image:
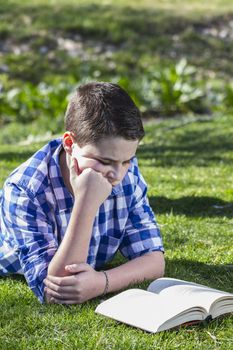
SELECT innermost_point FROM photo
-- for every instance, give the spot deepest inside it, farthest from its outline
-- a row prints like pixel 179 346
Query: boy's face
pixel 110 156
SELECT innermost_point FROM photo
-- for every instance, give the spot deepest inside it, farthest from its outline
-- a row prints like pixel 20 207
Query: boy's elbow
pixel 159 264
pixel 161 271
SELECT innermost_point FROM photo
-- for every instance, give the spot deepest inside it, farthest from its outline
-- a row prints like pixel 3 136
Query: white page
pixel 143 309
pixel 192 294
pixel 160 284
pixel 225 306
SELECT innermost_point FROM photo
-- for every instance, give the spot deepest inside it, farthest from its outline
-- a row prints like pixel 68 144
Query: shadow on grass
pixel 193 206
pixel 20 155
pixel 200 147
pixel 215 276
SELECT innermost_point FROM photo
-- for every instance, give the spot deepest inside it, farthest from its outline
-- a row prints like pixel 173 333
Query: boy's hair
pixel 100 109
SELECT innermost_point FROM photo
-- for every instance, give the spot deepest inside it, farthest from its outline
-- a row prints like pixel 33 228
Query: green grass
pixel 188 166
pixel 116 38
pixel 53 43
pixel 186 162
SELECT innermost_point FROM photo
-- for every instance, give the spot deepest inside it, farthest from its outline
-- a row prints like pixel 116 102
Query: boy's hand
pixel 85 283
pixel 92 184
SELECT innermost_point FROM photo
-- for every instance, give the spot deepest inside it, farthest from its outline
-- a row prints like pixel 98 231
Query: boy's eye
pixel 126 162
pixel 102 162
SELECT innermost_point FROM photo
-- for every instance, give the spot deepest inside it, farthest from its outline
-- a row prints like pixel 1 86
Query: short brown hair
pixel 101 109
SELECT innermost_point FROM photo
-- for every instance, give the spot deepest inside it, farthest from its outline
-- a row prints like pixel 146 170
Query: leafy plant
pixel 175 89
pixel 28 103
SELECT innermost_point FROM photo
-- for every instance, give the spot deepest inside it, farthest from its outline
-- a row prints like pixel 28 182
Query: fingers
pixel 67 286
pixel 59 296
pixel 58 288
pixel 76 268
pixel 74 168
pixel 65 302
pixel 61 281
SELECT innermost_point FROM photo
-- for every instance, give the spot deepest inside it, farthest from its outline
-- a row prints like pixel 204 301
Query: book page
pixel 192 294
pixel 160 284
pixel 222 306
pixel 147 310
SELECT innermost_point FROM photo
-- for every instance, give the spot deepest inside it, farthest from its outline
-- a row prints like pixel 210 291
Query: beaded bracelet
pixel 106 285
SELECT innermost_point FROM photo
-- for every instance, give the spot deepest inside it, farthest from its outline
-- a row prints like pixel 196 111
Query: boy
pixel 68 209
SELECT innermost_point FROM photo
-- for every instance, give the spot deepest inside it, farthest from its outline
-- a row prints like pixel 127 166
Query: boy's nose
pixel 114 175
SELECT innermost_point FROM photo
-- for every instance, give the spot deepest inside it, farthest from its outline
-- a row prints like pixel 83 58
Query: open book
pixel 167 303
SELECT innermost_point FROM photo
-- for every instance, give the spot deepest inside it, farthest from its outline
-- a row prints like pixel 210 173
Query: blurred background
pixel 173 57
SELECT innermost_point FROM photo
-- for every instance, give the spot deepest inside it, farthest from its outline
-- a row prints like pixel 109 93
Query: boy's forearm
pixel 147 267
pixel 75 244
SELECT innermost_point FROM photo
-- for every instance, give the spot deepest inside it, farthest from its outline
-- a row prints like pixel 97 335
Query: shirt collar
pixel 117 189
pixel 64 198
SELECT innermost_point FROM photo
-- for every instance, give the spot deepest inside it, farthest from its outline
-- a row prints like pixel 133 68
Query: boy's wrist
pixel 89 199
pixel 103 283
pixel 106 287
pixel 83 201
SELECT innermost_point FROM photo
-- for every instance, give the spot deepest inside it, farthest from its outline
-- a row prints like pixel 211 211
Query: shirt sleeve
pixel 142 234
pixel 27 229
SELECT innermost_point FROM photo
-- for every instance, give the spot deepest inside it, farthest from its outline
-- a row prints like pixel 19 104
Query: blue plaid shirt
pixel 36 208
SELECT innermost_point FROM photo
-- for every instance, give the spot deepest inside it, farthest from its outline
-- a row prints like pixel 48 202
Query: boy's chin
pixel 114 184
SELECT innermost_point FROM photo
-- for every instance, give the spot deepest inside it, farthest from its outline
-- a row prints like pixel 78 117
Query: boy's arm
pixel 90 190
pixel 147 267
pixel 75 244
pixel 86 283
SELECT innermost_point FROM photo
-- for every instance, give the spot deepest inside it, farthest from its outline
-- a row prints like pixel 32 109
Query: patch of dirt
pixel 220 27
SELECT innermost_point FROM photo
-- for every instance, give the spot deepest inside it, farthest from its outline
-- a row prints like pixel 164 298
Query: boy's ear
pixel 68 141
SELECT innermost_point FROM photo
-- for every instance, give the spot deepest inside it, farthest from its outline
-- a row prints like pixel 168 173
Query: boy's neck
pixel 65 170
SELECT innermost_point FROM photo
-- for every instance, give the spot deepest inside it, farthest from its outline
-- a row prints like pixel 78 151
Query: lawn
pixel 46 48
pixel 188 166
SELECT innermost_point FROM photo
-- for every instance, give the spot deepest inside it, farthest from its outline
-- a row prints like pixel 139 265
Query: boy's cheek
pixel 84 163
pixel 124 174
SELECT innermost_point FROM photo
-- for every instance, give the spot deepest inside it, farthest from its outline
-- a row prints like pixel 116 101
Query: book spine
pixel 208 319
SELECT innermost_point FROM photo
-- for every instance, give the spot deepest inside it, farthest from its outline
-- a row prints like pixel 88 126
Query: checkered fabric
pixel 36 208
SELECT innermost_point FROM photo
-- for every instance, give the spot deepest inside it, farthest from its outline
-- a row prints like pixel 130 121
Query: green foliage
pixel 175 89
pixel 47 49
pixel 165 91
pixel 28 103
